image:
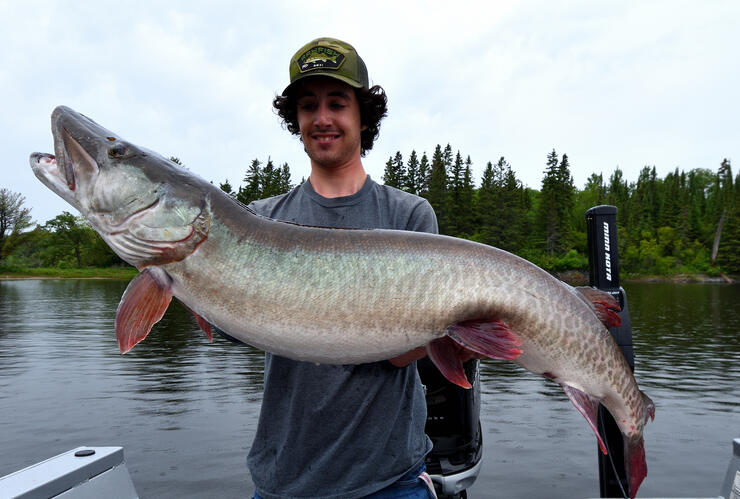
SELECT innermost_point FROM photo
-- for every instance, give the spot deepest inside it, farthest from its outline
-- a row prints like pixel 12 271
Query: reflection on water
pixel 183 409
pixel 186 410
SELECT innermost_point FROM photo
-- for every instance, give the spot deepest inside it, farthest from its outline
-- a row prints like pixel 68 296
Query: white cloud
pixel 608 83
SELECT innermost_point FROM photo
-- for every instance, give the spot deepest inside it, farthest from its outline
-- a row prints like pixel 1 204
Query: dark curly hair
pixel 373 108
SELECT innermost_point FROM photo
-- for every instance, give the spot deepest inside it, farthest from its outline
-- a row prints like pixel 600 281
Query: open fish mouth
pixel 61 171
pixel 48 163
pixel 58 177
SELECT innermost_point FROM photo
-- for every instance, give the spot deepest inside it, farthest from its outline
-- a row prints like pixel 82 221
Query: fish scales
pixel 332 295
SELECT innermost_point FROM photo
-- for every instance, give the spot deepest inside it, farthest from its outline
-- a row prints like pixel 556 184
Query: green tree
pixel 455 204
pixel 413 175
pixel 394 174
pixel 424 175
pixel 466 214
pixel 726 248
pixel 252 189
pixel 272 180
pixel 556 203
pixel 593 194
pixel 644 203
pixel 226 187
pixel 437 194
pixel 70 235
pixel 285 179
pixel 14 218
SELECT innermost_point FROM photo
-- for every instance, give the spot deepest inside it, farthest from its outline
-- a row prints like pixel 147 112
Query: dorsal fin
pixel 604 305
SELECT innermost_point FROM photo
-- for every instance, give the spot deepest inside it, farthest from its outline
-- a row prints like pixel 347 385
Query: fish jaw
pixel 133 197
pixel 48 171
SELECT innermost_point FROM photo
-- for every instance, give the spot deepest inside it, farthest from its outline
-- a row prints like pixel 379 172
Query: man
pixel 340 431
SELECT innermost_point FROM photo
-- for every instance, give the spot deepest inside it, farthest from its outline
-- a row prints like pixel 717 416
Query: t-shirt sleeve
pixel 423 218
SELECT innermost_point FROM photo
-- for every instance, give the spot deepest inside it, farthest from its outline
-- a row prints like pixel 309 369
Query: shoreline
pixel 119 273
pixel 580 278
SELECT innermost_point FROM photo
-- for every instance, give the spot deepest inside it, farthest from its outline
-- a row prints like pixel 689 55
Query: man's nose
pixel 322 116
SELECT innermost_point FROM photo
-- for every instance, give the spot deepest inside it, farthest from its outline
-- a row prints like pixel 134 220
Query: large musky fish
pixel 334 295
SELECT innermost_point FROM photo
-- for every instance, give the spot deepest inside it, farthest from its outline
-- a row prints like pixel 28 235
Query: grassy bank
pixel 14 272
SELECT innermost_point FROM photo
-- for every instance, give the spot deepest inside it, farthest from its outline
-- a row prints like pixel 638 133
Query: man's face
pixel 329 120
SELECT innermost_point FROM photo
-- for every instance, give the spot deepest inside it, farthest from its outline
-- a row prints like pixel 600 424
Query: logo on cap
pixel 320 58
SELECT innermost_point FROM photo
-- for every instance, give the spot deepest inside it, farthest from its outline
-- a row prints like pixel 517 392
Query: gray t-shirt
pixel 340 431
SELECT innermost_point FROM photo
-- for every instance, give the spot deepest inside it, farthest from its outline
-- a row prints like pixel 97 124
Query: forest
pixel 684 223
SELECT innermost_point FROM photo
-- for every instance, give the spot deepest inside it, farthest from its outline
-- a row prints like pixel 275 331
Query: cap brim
pixel 300 78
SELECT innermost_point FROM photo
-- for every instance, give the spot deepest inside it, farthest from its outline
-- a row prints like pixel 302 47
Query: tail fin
pixel 634 451
pixel 634 463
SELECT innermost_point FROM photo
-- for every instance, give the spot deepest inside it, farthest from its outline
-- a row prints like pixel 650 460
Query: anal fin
pixel 588 406
pixel 142 305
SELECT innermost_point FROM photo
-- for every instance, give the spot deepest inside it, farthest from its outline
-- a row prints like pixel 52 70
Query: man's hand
pixel 408 357
pixel 421 352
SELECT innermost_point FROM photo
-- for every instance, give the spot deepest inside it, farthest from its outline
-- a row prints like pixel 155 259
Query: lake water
pixel 185 411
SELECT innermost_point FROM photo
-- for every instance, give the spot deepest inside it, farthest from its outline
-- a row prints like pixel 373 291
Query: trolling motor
pixel 603 258
pixel 453 425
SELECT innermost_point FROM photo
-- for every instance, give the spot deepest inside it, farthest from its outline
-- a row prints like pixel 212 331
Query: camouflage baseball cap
pixel 328 57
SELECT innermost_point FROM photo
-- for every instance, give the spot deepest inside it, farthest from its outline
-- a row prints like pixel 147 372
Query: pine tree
pixel 413 180
pixel 565 193
pixel 725 202
pixel 485 206
pixel 285 181
pixel 271 180
pixel 226 187
pixel 394 174
pixel 516 205
pixel 466 217
pixel 437 194
pixel 253 184
pixel 455 189
pixel 548 235
pixel 424 175
pixel 488 208
pixel 728 257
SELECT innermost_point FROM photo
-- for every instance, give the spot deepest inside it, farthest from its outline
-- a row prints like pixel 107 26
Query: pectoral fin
pixel 142 305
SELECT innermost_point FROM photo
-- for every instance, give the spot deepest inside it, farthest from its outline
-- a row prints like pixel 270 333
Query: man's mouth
pixel 325 138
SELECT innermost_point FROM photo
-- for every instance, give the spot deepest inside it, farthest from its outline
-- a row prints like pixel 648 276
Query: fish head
pixel 148 209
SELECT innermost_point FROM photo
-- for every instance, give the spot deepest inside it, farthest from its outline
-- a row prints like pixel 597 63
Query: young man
pixel 340 431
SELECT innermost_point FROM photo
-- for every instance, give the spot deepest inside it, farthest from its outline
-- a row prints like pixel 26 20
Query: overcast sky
pixel 611 84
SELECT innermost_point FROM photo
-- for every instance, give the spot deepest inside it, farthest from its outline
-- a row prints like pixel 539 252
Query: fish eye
pixel 117 151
